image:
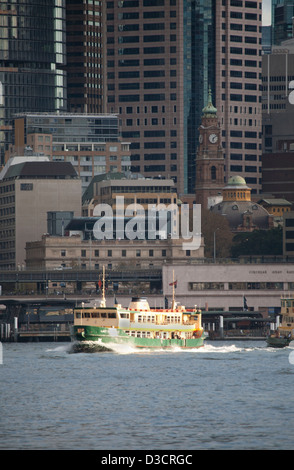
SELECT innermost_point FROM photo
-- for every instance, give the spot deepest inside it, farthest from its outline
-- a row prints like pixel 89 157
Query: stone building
pixel 134 188
pixel 242 214
pixel 32 194
pixel 75 252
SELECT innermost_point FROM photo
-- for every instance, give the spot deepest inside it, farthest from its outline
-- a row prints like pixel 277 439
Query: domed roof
pixel 236 181
pixel 235 210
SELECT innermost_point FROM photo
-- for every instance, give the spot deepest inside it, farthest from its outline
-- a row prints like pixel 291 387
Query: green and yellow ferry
pixel 101 328
pixel 284 333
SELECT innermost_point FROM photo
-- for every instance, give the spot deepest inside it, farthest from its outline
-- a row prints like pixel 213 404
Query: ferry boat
pixel 100 328
pixel 284 334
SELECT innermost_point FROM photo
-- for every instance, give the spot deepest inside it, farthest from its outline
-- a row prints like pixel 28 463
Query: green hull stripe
pixel 102 335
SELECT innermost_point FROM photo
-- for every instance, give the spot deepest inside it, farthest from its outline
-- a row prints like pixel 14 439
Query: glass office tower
pixel 282 20
pixel 32 59
pixel 199 75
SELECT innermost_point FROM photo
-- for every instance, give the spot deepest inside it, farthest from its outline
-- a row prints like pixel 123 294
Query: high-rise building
pixel 84 33
pixel 90 142
pixel 278 112
pixel 282 20
pixel 32 58
pixel 160 62
pixel 238 87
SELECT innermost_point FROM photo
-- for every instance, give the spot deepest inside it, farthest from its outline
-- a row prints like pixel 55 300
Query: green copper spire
pixel 209 110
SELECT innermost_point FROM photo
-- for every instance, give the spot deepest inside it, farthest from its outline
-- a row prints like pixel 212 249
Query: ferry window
pixel 139 318
pixel 133 333
pixel 124 315
pixel 95 315
pixel 143 334
pixel 112 315
pixel 78 314
pixel 87 315
pixel 103 315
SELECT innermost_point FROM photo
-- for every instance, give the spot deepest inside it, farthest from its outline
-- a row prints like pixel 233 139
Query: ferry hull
pixel 275 342
pixel 96 339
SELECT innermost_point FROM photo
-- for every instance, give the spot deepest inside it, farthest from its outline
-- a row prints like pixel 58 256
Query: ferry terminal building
pixel 223 285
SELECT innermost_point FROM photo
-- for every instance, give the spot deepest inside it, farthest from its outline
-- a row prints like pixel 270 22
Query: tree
pixel 258 242
pixel 214 226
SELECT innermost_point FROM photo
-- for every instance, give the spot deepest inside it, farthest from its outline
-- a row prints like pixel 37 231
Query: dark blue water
pixel 223 396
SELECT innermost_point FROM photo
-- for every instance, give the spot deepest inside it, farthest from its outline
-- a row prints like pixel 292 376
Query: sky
pixel 266 12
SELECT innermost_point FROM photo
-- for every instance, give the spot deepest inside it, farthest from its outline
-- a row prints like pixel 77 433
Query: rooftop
pixel 44 169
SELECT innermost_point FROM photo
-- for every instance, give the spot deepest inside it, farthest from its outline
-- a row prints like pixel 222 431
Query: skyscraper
pixel 238 87
pixel 162 56
pixel 160 60
pixel 282 20
pixel 84 42
pixel 32 57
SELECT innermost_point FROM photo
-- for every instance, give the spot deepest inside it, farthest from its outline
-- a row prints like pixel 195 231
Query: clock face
pixel 213 138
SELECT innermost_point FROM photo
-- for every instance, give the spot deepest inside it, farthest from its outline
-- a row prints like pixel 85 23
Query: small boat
pixel 101 328
pixel 284 333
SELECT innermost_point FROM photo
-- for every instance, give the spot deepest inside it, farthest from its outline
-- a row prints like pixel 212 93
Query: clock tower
pixel 209 158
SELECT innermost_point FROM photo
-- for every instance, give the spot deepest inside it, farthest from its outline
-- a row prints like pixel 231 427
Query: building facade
pixel 30 194
pixel 237 90
pixel 75 252
pixel 277 111
pixel 288 234
pixel 282 20
pixel 223 286
pixel 160 57
pixel 134 189
pixel 277 208
pixel 85 26
pixel 32 60
pixel 278 175
pixel 91 143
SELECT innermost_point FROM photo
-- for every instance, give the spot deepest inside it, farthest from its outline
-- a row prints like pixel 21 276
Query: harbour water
pixel 224 396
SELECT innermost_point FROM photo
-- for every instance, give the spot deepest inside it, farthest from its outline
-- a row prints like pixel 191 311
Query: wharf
pixel 238 338
pixel 45 335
